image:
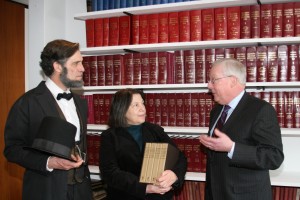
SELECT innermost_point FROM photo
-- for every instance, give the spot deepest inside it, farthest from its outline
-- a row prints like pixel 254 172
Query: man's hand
pixel 221 142
pixel 64 164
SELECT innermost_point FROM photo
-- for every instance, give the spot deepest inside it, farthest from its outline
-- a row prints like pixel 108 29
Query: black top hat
pixel 56 137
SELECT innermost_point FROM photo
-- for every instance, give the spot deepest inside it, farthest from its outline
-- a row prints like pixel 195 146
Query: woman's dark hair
pixel 57 51
pixel 119 106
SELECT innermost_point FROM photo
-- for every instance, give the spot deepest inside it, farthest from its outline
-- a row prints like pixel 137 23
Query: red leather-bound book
pixel 136 68
pixel 262 63
pixel 179 66
pixel 187 109
pixel 220 53
pixel 106 33
pixel 208 24
pixel 272 68
pixel 173 27
pixel 196 26
pixel 208 107
pixel 153 28
pixel 251 64
pixel 255 21
pixel 90 31
pixel 86 73
pixel 157 105
pixel 280 111
pixel 229 52
pixel 189 66
pixel 293 63
pixel 93 71
pixel 245 22
pixel 143 31
pixel 153 67
pixel 220 23
pixel 274 100
pixel 282 63
pixel 296 114
pixel 144 68
pixel 196 159
pixel 164 109
pixel 135 29
pixel 289 110
pixel 113 31
pixel 210 57
pixel 203 165
pixel 162 67
pixel 234 22
pixel 184 26
pixel 96 148
pixel 170 68
pixel 188 148
pixel 195 114
pixel 124 30
pixel 172 109
pixel 90 103
pixel 109 69
pixel 101 70
pixel 288 20
pixel 90 150
pixel 150 107
pixel 96 108
pixel 107 102
pixel 99 32
pixel 118 66
pixel 179 109
pixel 266 21
pixel 200 73
pixel 163 28
pixel 277 25
pixel 266 96
pixel 240 55
pixel 101 108
pixel 128 69
pixel 297 18
pixel 202 109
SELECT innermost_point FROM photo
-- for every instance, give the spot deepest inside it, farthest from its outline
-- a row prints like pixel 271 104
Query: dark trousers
pixel 80 191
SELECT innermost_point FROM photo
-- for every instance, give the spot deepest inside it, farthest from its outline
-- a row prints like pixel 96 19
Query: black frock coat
pixel 254 128
pixel 121 161
pixel 21 127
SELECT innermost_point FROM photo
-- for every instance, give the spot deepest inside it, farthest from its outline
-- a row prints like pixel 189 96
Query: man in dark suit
pixel 241 150
pixel 50 177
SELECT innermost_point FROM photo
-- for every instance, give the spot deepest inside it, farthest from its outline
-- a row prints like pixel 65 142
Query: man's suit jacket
pixel 254 128
pixel 22 125
pixel 121 161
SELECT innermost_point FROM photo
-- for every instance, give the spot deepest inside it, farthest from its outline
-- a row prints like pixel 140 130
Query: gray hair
pixel 232 67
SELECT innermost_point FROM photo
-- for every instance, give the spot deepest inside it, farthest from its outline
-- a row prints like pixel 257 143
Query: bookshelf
pixel 286 175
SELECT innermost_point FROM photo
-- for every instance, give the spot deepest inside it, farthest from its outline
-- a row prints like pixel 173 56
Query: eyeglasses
pixel 212 81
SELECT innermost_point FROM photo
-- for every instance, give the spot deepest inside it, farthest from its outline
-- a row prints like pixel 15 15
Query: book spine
pixel 153 68
pixel 187 109
pixel 153 28
pixel 86 73
pixel 179 67
pixel 195 114
pixel 262 63
pixel 124 29
pixel 277 25
pixel 173 27
pixel 179 110
pixel 144 68
pixel 196 26
pixel 272 69
pixel 293 63
pixel 93 71
pixel 288 20
pixel 245 22
pixel 189 66
pixel 234 23
pixel 164 109
pixel 90 31
pixel 117 69
pixel 200 74
pixel 255 21
pixel 251 64
pixel 113 31
pixel 208 24
pixel 128 69
pixel 143 29
pixel 282 54
pixel 157 104
pixel 221 23
pixel 163 28
pixel 135 29
pixel 136 68
pixel 98 32
pixel 101 70
pixel 266 21
pixel 109 69
pixel 184 26
pixel 297 18
pixel 106 31
pixel 172 109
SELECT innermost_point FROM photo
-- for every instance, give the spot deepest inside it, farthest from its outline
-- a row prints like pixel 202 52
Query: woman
pixel 122 147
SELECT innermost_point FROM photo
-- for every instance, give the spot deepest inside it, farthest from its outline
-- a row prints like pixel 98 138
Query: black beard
pixel 67 82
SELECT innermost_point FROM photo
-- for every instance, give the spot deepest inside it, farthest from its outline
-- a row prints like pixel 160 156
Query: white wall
pixel 49 20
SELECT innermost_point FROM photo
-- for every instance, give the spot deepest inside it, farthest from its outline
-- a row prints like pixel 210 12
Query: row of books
pixel 264 64
pixel 240 22
pixel 193 190
pixel 190 146
pixel 193 109
pixel 98 5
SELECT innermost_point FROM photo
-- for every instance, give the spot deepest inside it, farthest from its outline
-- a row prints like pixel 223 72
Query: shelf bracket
pixel 261 88
pixel 130 51
pixel 258 2
pixel 127 13
pixel 259 44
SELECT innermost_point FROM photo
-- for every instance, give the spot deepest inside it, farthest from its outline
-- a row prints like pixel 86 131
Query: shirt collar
pixel 236 100
pixel 54 89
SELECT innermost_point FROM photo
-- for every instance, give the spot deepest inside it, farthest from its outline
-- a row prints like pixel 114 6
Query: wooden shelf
pixel 162 8
pixel 122 49
pixel 291 179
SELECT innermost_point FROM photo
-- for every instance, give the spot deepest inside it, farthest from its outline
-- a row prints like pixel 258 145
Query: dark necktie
pixel 223 117
pixel 64 95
